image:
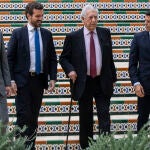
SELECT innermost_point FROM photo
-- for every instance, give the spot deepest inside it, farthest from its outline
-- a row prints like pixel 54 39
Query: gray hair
pixel 86 8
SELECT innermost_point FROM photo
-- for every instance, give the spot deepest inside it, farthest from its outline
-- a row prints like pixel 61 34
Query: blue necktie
pixel 37 53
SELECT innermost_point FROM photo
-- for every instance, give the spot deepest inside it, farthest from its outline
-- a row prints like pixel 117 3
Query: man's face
pixel 90 20
pixel 147 22
pixel 36 19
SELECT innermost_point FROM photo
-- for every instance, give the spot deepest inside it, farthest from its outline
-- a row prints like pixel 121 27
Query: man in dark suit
pixel 139 70
pixel 31 57
pixel 5 85
pixel 87 60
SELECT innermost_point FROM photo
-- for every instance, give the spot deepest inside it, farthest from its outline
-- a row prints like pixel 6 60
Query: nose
pixel 94 18
pixel 40 17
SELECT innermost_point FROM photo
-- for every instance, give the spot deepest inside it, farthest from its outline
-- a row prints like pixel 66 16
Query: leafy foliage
pixel 8 141
pixel 141 141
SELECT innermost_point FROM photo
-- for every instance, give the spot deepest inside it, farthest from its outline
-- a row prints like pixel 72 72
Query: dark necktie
pixel 37 53
pixel 92 57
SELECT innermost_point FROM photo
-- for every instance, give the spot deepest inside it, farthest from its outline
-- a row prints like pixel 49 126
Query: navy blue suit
pixel 19 56
pixel 73 58
pixel 139 70
pixel 30 88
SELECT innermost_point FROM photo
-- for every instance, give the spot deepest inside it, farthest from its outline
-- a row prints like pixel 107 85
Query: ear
pixel 28 16
pixel 82 19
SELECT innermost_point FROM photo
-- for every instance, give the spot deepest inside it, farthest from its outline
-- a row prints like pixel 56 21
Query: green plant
pixel 141 141
pixel 8 141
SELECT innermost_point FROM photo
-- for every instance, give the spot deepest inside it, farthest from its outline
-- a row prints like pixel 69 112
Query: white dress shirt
pixel 97 50
pixel 32 47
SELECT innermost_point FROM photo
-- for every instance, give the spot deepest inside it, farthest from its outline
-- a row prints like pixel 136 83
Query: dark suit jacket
pixel 4 69
pixel 139 60
pixel 73 58
pixel 19 56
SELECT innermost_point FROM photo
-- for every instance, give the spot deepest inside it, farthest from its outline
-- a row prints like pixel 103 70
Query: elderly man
pixel 87 60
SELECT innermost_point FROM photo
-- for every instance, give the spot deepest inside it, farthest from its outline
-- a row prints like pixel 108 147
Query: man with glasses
pixel 87 60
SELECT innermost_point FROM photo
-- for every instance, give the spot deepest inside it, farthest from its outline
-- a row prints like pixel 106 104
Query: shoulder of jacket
pixel 45 30
pixel 139 34
pixel 18 29
pixel 75 33
pixel 103 29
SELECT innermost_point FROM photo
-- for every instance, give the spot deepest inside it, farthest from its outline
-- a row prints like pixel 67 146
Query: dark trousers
pixel 143 111
pixel 28 103
pixel 4 118
pixel 93 89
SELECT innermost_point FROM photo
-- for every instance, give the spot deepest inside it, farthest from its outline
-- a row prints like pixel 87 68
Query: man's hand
pixel 8 91
pixel 72 75
pixel 51 85
pixel 139 91
pixel 14 88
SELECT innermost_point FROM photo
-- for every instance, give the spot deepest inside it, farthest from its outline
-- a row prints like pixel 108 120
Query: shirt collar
pixel 86 31
pixel 31 28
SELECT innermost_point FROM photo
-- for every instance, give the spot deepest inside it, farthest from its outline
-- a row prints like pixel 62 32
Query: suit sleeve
pixel 52 60
pixel 4 64
pixel 65 58
pixel 113 69
pixel 12 48
pixel 133 61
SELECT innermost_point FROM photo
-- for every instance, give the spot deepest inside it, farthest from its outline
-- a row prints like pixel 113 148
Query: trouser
pixel 93 89
pixel 143 111
pixel 28 103
pixel 3 113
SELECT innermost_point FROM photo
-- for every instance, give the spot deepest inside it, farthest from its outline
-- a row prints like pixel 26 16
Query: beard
pixel 37 23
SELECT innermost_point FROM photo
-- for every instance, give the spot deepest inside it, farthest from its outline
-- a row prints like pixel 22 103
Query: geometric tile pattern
pixel 61 17
pixel 60 128
pixel 114 28
pixel 122 74
pixel 62 108
pixel 54 5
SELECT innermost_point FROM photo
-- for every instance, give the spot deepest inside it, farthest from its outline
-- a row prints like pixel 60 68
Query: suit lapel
pixel 43 41
pixel 100 38
pixel 26 39
pixel 82 45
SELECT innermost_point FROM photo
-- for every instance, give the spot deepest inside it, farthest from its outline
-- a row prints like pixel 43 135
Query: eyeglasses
pixel 91 17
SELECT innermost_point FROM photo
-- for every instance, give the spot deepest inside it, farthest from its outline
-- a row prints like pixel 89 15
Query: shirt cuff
pixel 136 83
pixel 12 81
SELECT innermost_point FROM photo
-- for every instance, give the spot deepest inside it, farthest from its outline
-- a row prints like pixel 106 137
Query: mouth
pixel 93 26
pixel 39 21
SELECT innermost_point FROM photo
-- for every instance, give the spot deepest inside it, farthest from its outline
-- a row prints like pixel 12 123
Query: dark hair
pixel 31 6
pixel 147 13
